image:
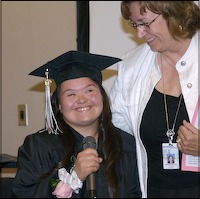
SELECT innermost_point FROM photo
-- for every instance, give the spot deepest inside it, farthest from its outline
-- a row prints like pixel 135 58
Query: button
pixel 183 63
pixel 189 85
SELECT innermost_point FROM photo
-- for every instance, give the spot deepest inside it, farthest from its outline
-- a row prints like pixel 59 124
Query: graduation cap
pixel 75 64
pixel 70 65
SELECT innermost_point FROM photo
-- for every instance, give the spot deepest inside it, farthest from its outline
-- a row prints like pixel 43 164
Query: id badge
pixel 170 156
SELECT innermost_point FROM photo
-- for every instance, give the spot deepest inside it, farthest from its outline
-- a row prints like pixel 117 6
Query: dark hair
pixel 112 144
pixel 168 159
pixel 176 13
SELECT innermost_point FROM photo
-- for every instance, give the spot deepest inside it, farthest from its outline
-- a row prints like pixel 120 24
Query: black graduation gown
pixel 41 151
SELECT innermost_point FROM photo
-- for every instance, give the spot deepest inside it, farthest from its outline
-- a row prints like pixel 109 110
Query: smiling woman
pixel 155 94
pixel 78 108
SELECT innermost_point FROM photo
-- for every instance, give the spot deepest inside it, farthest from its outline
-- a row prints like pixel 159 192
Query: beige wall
pixel 110 34
pixel 33 32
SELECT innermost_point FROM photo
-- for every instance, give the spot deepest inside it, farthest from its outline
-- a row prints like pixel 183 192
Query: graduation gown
pixel 40 152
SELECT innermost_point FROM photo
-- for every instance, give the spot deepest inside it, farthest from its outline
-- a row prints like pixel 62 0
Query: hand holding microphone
pixel 87 163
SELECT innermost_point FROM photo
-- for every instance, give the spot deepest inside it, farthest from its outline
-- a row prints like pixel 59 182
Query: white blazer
pixel 138 74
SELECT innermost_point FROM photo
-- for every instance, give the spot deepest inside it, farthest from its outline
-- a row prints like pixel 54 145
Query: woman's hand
pixel 87 162
pixel 188 139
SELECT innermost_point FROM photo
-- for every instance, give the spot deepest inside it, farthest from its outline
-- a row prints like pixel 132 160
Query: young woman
pixel 53 162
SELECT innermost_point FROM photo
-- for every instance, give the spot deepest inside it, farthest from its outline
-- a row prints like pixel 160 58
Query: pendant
pixel 170 134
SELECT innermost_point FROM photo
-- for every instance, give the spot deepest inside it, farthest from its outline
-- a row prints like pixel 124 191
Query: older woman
pixel 156 96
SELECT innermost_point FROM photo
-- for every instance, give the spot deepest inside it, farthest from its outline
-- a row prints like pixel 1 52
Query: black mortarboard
pixel 70 65
pixel 75 64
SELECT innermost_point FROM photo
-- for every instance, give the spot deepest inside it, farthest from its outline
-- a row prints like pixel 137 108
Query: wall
pixel 33 32
pixel 110 34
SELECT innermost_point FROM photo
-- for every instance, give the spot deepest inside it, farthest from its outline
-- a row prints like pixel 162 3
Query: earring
pixel 180 28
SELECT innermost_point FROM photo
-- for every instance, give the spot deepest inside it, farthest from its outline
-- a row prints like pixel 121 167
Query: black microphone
pixel 89 142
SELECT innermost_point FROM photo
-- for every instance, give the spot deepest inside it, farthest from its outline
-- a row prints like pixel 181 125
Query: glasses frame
pixel 143 26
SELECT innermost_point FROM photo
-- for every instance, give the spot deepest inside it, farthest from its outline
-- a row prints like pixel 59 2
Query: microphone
pixel 89 142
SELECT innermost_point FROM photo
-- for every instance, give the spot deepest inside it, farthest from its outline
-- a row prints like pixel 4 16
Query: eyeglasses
pixel 142 26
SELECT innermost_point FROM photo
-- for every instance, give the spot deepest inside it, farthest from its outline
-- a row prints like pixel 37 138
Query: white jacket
pixel 138 74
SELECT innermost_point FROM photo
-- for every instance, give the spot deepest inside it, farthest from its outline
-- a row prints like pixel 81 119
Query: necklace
pixel 170 132
pixel 168 62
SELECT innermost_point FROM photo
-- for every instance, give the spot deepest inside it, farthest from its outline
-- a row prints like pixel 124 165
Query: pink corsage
pixel 68 183
pixel 63 190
